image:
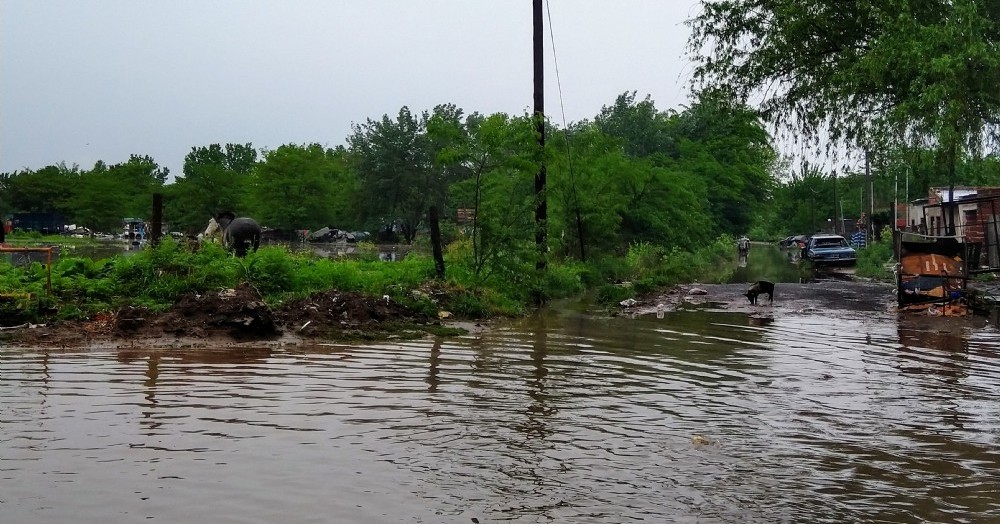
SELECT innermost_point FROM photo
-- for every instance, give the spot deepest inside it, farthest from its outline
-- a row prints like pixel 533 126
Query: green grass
pixel 156 277
pixel 873 259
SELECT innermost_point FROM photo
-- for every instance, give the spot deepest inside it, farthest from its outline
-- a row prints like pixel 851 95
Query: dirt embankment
pixel 235 317
pixel 239 318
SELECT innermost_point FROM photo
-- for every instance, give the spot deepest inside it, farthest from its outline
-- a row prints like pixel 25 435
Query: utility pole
pixel 541 209
pixel 869 198
pixel 836 225
pixel 895 201
pixel 949 225
pixel 907 196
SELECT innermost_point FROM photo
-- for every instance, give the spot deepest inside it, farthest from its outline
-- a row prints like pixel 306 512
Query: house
pixel 969 215
pixel 946 208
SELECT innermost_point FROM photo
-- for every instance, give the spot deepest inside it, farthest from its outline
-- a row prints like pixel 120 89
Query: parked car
pixel 830 250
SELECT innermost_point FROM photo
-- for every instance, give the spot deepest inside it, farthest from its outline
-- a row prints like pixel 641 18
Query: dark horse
pixel 238 234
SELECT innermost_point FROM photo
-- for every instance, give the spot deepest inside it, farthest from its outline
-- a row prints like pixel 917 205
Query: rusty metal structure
pixel 934 268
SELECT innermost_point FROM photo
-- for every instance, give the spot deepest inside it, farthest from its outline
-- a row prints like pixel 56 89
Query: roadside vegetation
pixel 155 278
pixel 875 260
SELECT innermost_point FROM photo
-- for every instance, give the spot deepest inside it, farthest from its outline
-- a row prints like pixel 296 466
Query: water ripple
pixel 696 417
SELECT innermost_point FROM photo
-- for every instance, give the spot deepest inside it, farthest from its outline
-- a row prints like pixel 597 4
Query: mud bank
pixel 239 317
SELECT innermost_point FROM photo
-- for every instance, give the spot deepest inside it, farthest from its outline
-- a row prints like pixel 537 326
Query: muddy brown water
pixel 712 413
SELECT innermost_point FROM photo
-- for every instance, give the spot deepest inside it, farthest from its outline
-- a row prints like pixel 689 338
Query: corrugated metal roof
pixel 960 194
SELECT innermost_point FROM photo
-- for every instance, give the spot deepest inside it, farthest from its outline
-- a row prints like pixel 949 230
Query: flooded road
pixel 700 416
pixel 707 413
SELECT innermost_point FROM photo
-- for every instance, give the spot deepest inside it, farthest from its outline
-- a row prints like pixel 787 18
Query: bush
pixel 872 259
pixel 614 293
pixel 271 270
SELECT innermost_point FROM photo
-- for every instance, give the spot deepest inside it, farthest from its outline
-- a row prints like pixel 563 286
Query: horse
pixel 238 234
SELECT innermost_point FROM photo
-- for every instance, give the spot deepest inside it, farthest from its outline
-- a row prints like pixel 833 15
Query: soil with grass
pixel 239 317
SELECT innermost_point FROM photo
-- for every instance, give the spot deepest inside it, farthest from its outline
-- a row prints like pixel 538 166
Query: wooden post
pixel 436 242
pixel 157 226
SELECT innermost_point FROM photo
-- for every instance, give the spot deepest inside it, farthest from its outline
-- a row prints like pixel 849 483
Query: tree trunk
pixel 156 228
pixel 436 242
pixel 579 234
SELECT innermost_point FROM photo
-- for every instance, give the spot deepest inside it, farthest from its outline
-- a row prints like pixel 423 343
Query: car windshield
pixel 830 242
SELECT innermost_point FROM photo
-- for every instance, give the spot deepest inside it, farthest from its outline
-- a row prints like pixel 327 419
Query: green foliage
pixel 641 129
pixel 270 270
pixel 45 190
pixel 726 144
pixel 400 168
pixel 565 280
pixel 303 187
pixel 647 268
pixel 874 258
pixel 614 293
pixel 637 195
pixel 873 75
pixel 215 179
pixel 674 179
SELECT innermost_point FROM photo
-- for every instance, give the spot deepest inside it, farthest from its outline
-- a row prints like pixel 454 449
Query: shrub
pixel 271 270
pixel 872 259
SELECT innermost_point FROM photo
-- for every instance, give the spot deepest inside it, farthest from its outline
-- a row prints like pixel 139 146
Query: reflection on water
pixel 768 262
pixel 563 417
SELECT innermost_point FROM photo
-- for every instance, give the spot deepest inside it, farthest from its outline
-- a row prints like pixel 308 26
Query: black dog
pixel 759 287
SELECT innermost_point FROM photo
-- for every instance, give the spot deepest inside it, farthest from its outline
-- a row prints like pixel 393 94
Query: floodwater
pixel 703 415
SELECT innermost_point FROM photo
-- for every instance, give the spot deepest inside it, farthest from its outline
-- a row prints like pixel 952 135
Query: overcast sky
pixel 82 81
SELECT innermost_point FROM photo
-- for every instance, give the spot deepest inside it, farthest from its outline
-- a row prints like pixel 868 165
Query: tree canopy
pixel 302 187
pixel 866 74
pixel 635 174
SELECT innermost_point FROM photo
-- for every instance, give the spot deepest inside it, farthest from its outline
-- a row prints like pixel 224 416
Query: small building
pixel 950 208
pixel 464 215
pixel 969 215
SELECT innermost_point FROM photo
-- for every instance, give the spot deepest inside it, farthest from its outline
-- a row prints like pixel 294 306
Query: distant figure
pixel 744 246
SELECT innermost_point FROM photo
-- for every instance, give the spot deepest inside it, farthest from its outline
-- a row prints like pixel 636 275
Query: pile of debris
pixel 328 234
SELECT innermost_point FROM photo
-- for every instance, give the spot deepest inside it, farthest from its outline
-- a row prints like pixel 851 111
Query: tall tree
pixel 726 143
pixel 397 164
pixel 215 179
pixel 99 201
pixel 105 194
pixel 498 157
pixel 139 177
pixel 865 74
pixel 643 130
pixel 303 187
pixel 45 190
